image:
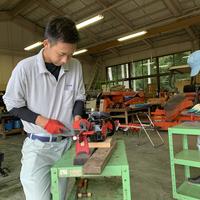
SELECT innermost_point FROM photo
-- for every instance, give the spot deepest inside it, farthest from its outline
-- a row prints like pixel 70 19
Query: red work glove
pixel 81 124
pixel 55 127
pixel 76 124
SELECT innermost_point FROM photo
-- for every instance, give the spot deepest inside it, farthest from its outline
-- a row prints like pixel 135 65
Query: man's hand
pixel 50 125
pixel 81 124
pixel 55 127
pixel 76 123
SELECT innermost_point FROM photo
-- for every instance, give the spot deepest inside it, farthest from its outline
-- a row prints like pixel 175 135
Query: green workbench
pixel 116 166
pixel 187 158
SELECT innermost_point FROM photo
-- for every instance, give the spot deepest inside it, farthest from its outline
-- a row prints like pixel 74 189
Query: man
pixel 194 62
pixel 46 91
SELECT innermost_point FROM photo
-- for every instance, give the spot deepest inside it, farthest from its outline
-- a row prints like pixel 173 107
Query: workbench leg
pixel 185 147
pixel 55 184
pixel 171 153
pixel 126 183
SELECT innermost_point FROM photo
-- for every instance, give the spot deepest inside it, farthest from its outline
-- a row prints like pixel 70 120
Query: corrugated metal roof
pixel 8 5
pixel 121 17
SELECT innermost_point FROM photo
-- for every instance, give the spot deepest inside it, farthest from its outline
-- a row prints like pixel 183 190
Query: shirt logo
pixel 68 86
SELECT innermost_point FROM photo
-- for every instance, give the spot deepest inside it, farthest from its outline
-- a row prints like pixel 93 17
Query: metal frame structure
pixel 144 125
pixel 147 126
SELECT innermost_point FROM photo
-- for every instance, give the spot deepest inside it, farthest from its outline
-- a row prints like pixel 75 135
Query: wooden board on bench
pixel 105 144
pixel 96 163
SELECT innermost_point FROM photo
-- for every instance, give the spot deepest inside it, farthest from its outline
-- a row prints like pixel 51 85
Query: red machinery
pixel 121 99
pixel 175 111
pixel 96 128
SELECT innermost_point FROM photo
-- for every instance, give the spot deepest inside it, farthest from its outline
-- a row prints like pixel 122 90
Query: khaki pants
pixel 37 159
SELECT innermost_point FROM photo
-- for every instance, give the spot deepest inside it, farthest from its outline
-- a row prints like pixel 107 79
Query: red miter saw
pixel 96 128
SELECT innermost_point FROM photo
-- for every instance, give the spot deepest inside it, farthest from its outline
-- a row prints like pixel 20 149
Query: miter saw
pixel 96 128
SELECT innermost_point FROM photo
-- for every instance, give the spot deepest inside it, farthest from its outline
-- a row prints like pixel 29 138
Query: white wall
pixel 7 64
pixel 14 37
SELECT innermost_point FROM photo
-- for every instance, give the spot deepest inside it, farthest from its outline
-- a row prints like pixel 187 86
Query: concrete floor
pixel 149 169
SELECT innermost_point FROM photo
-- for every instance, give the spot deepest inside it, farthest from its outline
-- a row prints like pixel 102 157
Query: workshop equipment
pixel 144 123
pixel 96 128
pixel 176 104
pixel 82 188
pixel 175 111
pixel 120 99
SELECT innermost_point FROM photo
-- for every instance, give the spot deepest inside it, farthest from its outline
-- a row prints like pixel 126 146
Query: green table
pixel 117 166
pixel 187 158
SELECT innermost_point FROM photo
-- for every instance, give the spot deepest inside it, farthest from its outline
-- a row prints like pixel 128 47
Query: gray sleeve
pixel 80 91
pixel 15 91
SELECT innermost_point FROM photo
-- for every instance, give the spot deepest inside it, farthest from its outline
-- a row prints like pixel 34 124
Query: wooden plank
pixel 105 144
pixel 98 160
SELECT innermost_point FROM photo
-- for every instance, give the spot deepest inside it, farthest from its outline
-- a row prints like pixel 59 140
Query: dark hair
pixel 61 29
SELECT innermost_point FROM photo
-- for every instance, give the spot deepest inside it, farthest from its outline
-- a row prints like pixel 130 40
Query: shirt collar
pixel 41 63
pixel 66 67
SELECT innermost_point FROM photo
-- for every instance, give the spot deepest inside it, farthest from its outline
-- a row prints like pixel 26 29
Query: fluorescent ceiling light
pixel 89 21
pixel 33 46
pixel 134 35
pixel 79 52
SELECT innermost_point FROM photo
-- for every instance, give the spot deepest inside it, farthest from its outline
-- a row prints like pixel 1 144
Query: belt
pixel 45 138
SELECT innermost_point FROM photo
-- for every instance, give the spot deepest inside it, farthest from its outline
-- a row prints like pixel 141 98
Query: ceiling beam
pixel 31 10
pixel 151 32
pixel 5 16
pixel 121 18
pixel 105 9
pixel 28 25
pixel 142 8
pixel 50 12
pixel 115 51
pixel 21 6
pixel 13 15
pixel 48 6
pixel 191 33
pixel 173 6
pixel 148 42
pixel 117 15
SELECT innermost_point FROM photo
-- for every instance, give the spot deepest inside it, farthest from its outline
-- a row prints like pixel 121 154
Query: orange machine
pixel 175 111
pixel 121 99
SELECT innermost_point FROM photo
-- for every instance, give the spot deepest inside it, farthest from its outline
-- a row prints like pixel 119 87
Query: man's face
pixel 58 53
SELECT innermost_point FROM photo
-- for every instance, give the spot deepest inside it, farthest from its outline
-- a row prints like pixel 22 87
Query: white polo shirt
pixel 32 85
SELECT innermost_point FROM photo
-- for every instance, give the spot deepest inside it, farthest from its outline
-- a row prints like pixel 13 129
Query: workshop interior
pixel 138 136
